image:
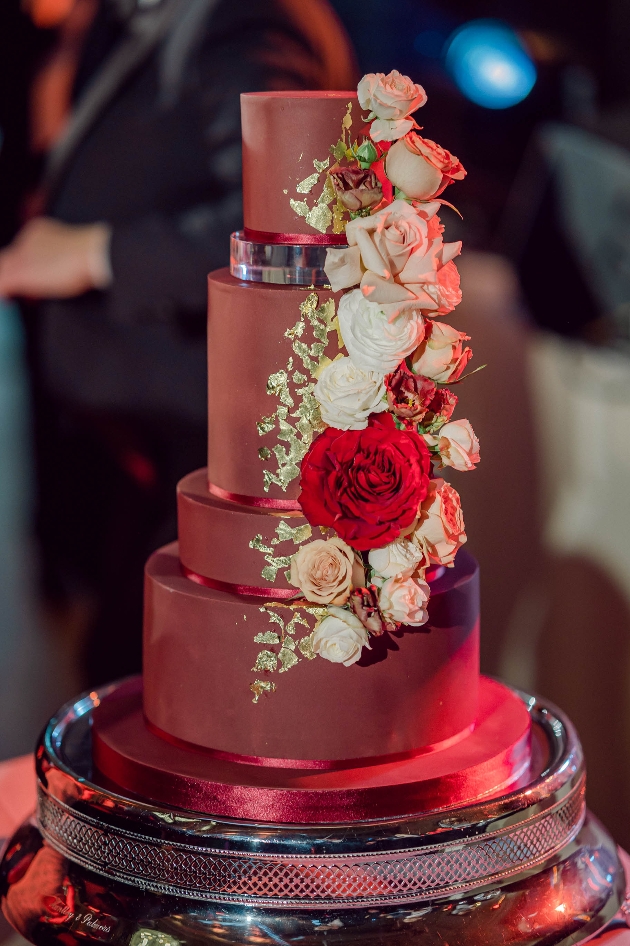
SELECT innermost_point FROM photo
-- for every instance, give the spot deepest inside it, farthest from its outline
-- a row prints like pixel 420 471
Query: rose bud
pixel 420 168
pixel 441 407
pixel 408 394
pixel 364 604
pixel 357 188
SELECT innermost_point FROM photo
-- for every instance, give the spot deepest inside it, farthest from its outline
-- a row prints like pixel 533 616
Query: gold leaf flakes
pixel 285 191
pixel 285 533
pixel 266 660
pixel 287 658
pixel 258 687
pixel 268 637
pixel 306 186
pixel 321 165
pixel 295 332
pixel 300 207
pixel 346 121
pixel 339 218
pixel 339 150
pixel 264 452
pixel 328 192
pixel 299 378
pixel 305 646
pixel 319 218
pixel 278 385
pixel 266 425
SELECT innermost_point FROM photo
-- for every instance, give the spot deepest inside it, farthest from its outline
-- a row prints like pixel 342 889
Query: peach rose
pixel 326 571
pixel 399 259
pixel 441 355
pixel 390 99
pixel 404 600
pixel 420 168
pixel 440 532
pixel 456 444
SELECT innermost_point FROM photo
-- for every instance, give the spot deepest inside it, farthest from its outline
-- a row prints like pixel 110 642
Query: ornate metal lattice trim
pixel 407 875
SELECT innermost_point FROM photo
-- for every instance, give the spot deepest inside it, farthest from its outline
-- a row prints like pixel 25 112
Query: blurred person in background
pixel 137 107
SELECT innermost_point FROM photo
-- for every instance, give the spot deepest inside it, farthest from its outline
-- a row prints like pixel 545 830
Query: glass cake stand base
pixel 532 866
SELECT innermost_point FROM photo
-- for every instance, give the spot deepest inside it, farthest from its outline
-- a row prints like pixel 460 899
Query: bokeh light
pixel 489 64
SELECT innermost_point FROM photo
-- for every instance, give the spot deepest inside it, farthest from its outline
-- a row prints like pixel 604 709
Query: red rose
pixel 408 394
pixel 365 484
pixel 442 406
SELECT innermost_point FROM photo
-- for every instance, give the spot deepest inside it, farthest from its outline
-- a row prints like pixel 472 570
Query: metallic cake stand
pixel 532 866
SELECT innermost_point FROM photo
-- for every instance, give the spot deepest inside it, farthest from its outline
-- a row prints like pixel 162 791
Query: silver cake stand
pixel 530 867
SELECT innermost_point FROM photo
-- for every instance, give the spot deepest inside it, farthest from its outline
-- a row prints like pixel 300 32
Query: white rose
pixel 457 445
pixel 404 600
pixel 390 99
pixel 347 395
pixel 374 342
pixel 340 637
pixel 440 531
pixel 401 558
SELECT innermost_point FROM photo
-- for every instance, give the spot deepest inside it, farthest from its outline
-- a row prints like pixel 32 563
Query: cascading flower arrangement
pixel 368 480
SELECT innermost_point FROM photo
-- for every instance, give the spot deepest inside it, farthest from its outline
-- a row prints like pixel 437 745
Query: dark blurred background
pixel 542 125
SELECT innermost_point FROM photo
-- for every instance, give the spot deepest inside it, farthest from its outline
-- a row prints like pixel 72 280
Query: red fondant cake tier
pixel 283 133
pixel 494 758
pixel 414 689
pixel 215 537
pixel 247 346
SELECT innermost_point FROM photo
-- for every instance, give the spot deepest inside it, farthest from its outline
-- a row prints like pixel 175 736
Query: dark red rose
pixel 408 394
pixel 365 484
pixel 364 603
pixel 357 188
pixel 442 406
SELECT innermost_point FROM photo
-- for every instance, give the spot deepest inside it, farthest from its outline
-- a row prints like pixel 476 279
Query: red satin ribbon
pixel 295 239
pixel 261 502
pixel 254 590
pixel 320 764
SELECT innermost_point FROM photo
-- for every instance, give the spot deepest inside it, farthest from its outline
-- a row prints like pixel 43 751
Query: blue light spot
pixel 489 64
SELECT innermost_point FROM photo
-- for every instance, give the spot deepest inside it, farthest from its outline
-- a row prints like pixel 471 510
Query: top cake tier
pixel 284 133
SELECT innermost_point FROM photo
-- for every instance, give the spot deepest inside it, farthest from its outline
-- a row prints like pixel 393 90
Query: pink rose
pixel 457 445
pixel 399 259
pixel 364 604
pixel 420 168
pixel 441 355
pixel 326 571
pixel 441 407
pixel 440 531
pixel 390 99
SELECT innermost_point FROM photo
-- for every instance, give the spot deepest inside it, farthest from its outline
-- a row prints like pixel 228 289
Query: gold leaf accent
pixel 258 687
pixel 264 453
pixel 339 150
pixel 284 533
pixel 339 218
pixel 266 660
pixel 328 192
pixel 346 121
pixel 300 207
pixel 274 563
pixel 305 646
pixel 268 637
pixel 319 218
pixel 297 429
pixel 287 658
pixel 266 425
pixel 321 165
pixel 307 185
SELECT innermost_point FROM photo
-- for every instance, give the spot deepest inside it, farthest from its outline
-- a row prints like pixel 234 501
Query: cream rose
pixel 457 445
pixel 404 600
pixel 390 99
pixel 326 571
pixel 347 395
pixel 399 259
pixel 420 168
pixel 400 558
pixel 440 531
pixel 340 637
pixel 441 355
pixel 374 341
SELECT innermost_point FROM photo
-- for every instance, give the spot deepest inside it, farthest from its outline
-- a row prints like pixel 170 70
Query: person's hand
pixel 53 260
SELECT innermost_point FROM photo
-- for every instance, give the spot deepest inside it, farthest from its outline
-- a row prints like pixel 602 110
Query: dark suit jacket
pixel 161 164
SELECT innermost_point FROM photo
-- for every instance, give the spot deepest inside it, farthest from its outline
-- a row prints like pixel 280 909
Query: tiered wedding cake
pixel 311 644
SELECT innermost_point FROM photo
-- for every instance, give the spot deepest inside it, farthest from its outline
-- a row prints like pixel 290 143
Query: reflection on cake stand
pixel 530 866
